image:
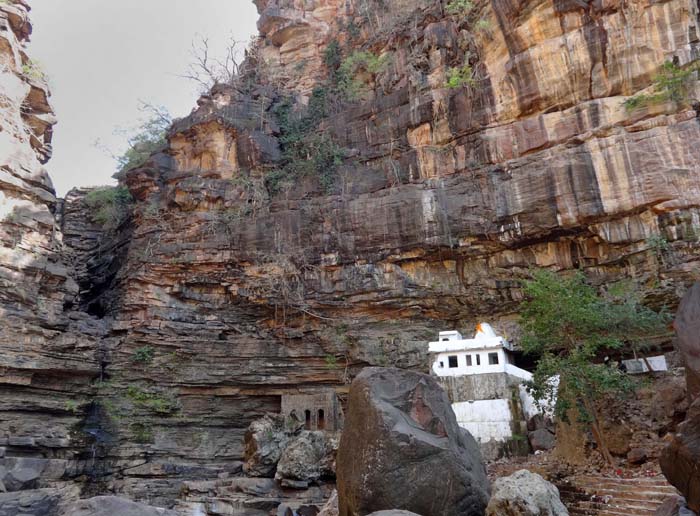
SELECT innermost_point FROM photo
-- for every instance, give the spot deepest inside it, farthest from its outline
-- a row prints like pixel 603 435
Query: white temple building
pixel 485 387
pixel 485 353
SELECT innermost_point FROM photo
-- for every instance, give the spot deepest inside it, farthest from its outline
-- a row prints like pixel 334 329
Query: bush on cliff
pixel 356 70
pixel 149 138
pixel 306 151
pixel 572 328
pixel 109 205
pixel 671 83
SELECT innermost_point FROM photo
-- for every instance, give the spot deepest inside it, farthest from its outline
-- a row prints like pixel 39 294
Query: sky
pixel 103 57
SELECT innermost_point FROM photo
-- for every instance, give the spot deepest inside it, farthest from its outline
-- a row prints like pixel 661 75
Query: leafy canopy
pixel 149 138
pixel 571 328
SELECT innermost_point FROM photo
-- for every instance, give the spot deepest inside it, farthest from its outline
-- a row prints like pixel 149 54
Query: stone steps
pixel 588 495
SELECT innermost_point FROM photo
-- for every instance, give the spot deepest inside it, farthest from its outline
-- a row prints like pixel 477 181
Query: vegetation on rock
pixel 672 83
pixel 109 205
pixel 305 150
pixel 459 7
pixel 150 137
pixel 572 328
pixel 144 355
pixel 351 75
pixel 460 76
pixel 33 70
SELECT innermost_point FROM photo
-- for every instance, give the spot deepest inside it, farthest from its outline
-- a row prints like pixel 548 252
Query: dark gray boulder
pixel 308 457
pixel 687 326
pixel 401 448
pixel 680 458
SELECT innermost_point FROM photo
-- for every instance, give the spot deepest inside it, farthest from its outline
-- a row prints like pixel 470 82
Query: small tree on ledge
pixel 571 328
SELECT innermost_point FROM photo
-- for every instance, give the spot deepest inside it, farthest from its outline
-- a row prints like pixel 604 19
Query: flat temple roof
pixel 468 344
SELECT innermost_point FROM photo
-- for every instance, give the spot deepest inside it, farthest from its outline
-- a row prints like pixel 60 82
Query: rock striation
pixel 48 350
pixel 140 354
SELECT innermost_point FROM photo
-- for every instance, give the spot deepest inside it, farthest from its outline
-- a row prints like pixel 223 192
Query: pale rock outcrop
pixel 525 494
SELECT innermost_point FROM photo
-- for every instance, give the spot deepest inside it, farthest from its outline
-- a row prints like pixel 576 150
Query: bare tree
pixel 208 70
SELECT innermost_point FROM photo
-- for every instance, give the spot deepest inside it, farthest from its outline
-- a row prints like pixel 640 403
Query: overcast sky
pixel 103 56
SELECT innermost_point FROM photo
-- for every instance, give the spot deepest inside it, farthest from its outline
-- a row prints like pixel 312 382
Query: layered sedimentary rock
pixel 231 284
pixel 228 293
pixel 47 350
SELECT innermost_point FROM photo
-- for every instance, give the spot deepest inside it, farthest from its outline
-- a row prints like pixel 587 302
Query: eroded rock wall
pixel 48 351
pixel 219 293
pixel 236 293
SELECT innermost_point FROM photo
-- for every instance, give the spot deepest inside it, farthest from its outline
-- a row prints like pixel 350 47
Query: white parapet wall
pixel 486 420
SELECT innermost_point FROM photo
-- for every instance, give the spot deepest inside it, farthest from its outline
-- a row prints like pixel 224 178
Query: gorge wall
pixel 140 352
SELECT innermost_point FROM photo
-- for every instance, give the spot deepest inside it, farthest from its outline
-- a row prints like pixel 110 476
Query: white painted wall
pixel 486 420
pixel 462 367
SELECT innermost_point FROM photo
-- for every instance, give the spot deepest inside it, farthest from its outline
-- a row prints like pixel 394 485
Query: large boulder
pixel 401 448
pixel 525 494
pixel 680 459
pixel 308 457
pixel 265 440
pixel 687 325
pixel 541 439
pixel 113 506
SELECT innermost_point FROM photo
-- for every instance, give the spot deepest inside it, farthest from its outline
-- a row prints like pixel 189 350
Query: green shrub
pixel 671 83
pixel 332 57
pixel 570 327
pixel 143 355
pixel 164 405
pixel 33 70
pixel 150 138
pixel 459 77
pixel 459 7
pixel 72 406
pixel 331 361
pixel 305 150
pixel 350 80
pixel 109 205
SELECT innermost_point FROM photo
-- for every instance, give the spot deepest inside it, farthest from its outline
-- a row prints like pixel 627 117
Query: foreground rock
pixel 113 506
pixel 687 326
pixel 265 440
pixel 308 457
pixel 679 460
pixel 525 494
pixel 401 448
pixel 674 506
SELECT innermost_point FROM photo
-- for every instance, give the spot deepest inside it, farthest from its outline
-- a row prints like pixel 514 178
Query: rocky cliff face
pixel 300 226
pixel 48 350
